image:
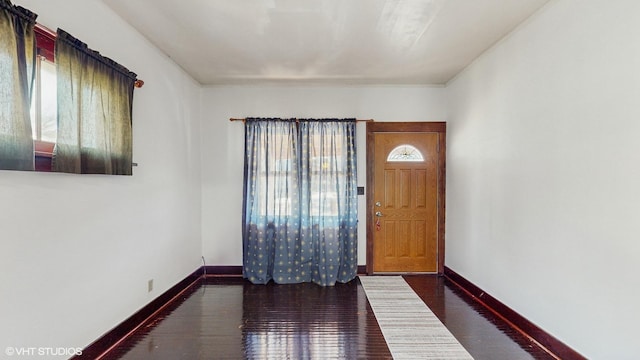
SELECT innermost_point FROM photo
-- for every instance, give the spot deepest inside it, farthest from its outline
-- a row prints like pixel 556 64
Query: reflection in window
pixel 405 153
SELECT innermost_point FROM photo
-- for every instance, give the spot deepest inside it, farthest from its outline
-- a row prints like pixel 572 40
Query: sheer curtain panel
pixel 329 207
pixel 95 96
pixel 17 66
pixel 271 241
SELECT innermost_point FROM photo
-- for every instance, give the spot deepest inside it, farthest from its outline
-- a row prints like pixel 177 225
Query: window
pixel 43 100
pixel 406 153
pixel 79 103
pixel 324 170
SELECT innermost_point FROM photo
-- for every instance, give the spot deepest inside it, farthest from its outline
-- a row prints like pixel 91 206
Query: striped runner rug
pixel 409 327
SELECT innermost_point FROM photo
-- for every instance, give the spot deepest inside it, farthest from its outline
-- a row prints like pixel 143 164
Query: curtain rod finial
pixel 138 83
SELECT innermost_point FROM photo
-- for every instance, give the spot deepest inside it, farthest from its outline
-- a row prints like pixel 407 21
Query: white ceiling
pixel 324 41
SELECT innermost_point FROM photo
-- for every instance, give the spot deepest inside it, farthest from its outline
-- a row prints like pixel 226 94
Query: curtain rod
pixel 357 120
pixel 50 35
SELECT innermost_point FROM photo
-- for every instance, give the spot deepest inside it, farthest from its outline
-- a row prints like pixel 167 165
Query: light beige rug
pixel 410 328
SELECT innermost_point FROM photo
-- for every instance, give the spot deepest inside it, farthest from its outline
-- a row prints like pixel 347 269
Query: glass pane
pixel 405 153
pixel 49 101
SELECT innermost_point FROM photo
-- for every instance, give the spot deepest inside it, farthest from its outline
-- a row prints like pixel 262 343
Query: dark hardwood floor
pixel 483 334
pixel 229 318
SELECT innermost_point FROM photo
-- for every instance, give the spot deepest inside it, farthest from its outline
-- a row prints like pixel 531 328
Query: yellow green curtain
pixel 17 65
pixel 95 96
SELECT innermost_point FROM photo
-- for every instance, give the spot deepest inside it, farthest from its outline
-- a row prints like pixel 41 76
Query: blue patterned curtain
pixel 300 201
pixel 329 198
pixel 271 246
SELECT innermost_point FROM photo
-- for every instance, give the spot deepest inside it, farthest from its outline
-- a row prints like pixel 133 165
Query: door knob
pixel 378 204
pixel 378 213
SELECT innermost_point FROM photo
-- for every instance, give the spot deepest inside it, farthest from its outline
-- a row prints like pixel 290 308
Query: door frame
pixel 408 127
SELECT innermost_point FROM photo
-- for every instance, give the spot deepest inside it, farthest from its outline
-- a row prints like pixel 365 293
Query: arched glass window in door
pixel 406 153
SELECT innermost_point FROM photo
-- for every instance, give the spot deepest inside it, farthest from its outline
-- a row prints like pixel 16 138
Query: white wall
pixel 223 144
pixel 543 170
pixel 76 251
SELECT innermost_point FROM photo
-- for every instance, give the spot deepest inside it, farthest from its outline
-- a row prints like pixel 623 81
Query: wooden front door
pixel 406 210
